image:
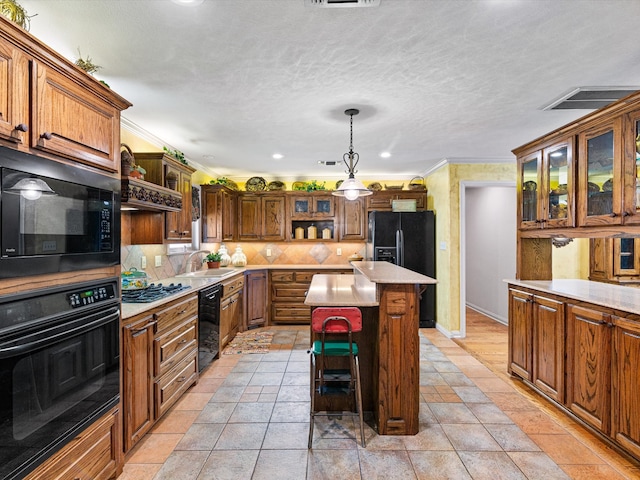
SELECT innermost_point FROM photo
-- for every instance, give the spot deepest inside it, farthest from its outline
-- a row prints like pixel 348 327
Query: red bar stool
pixel 332 323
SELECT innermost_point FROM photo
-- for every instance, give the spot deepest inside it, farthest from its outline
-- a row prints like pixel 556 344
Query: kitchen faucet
pixel 189 262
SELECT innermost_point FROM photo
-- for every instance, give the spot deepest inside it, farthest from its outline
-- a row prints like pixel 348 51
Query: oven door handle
pixel 54 334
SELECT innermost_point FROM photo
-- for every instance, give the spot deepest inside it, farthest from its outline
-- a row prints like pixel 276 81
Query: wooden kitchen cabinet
pixel 383 200
pixel 218 213
pixel 159 363
pixel 626 377
pixel 95 454
pixel 256 298
pixel 49 106
pixel 520 333
pixel 137 385
pixel 311 205
pixel 546 190
pixel 352 216
pixel 261 217
pixel 614 260
pixel 177 225
pixel 589 365
pixel 231 309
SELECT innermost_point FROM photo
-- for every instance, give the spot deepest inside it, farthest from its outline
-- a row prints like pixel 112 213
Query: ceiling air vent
pixel 342 3
pixel 590 98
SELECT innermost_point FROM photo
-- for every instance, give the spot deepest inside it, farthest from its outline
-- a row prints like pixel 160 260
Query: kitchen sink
pixel 208 273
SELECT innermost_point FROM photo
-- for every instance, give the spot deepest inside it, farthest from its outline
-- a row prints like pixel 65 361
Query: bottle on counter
pixel 239 259
pixel 225 258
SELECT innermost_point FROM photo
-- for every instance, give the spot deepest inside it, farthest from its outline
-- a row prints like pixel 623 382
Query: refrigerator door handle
pixel 400 247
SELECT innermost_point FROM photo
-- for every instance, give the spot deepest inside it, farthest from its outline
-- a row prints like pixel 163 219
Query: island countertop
pixel 340 290
pixel 385 272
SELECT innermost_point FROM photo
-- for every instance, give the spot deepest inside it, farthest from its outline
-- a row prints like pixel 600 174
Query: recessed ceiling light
pixel 189 3
pixel 385 154
pixel 277 156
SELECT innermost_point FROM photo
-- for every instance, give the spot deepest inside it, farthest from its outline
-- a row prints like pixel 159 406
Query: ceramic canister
pixel 312 232
pixel 326 233
pixel 299 233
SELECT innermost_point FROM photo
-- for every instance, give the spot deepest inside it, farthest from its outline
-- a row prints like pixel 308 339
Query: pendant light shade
pixel 31 188
pixel 351 188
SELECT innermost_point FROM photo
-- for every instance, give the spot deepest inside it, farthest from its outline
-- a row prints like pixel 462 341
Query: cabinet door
pixel 226 319
pixel 324 205
pixel 631 170
pixel 352 221
pixel 14 96
pixel 256 297
pixel 600 176
pixel 178 224
pixel 548 346
pixel 626 253
pixel 558 193
pixel 70 122
pixel 626 378
pixel 137 382
pixel 249 217
pixel 301 207
pixel 589 365
pixel 273 221
pixel 211 215
pixel 228 215
pixel 520 333
pixel 530 184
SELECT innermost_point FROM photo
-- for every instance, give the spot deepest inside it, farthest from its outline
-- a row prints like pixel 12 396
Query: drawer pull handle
pixel 182 311
pixel 184 340
pixel 181 379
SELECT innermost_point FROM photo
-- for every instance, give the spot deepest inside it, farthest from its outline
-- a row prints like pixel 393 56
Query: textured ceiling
pixel 230 82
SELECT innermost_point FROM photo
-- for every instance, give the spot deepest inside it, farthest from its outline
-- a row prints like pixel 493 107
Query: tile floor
pixel 248 418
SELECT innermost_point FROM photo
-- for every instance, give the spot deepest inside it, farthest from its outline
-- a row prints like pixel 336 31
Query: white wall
pixel 490 248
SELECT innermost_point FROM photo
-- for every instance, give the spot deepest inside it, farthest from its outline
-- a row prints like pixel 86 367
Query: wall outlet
pixel 268 252
pixel 338 251
pixel 443 245
pixel 143 262
pixel 158 260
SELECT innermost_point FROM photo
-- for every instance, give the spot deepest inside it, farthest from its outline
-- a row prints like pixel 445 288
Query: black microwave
pixel 55 217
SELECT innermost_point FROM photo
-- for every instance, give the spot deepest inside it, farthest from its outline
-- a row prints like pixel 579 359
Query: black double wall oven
pixel 59 346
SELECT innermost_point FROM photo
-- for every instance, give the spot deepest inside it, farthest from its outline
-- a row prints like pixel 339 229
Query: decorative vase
pixel 225 259
pixel 239 259
pixel 213 264
pixel 172 182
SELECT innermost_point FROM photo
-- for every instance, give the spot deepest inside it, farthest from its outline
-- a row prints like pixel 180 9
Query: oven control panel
pixel 90 296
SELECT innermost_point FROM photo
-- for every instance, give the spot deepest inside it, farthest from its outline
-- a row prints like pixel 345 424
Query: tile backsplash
pixel 281 253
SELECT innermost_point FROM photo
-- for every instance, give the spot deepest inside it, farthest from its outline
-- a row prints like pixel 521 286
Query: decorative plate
pixel 530 186
pixel 593 187
pixel 255 184
pixel 375 186
pixel 276 185
pixel 298 186
pixel 393 187
pixel 338 183
pixel 608 186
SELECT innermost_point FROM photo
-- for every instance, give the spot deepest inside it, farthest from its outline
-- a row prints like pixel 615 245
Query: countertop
pixel 340 290
pixel 198 283
pixel 598 293
pixel 385 272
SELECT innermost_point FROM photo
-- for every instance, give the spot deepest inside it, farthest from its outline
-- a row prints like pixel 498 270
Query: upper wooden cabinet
pixel 261 216
pixel 160 167
pixel 353 224
pixel 614 260
pixel 383 200
pixel 546 187
pixel 218 213
pixel 311 205
pixel 49 106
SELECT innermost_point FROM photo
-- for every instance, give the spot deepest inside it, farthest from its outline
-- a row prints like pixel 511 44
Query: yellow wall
pixel 443 188
pixel 572 260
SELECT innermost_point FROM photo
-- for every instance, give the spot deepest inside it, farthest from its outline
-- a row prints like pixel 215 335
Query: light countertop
pixel 598 293
pixel 340 291
pixel 385 272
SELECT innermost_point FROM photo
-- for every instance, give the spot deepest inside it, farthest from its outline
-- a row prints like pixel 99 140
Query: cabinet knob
pixel 614 214
pixel 46 136
pixel 626 214
pixel 21 127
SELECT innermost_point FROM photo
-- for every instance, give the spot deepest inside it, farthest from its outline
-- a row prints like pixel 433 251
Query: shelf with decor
pixel 302 230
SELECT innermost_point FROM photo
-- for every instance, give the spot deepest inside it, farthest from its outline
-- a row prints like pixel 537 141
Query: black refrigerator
pixel 408 240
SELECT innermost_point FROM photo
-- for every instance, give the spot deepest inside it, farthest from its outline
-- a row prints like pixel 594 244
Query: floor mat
pixel 249 342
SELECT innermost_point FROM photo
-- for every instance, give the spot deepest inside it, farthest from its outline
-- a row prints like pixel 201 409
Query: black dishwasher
pixel 208 325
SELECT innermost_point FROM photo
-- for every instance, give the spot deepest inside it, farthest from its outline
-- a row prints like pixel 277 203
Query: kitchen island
pixel 389 346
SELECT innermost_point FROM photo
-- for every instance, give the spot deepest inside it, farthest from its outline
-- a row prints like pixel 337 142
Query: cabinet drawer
pixel 176 313
pixel 296 313
pixel 170 387
pixel 289 293
pixel 304 276
pixel 282 276
pixel 231 286
pixel 173 346
pixel 90 456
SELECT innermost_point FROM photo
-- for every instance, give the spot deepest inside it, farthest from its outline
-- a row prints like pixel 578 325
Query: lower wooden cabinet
pixel 159 363
pixel 596 349
pixel 256 297
pixel 95 454
pixel 231 309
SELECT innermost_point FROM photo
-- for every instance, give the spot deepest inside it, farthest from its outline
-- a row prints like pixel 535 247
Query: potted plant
pixel 213 260
pixel 137 172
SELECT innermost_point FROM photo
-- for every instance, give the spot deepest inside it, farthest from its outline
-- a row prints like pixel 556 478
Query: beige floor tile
pixel 241 436
pixel 193 401
pixel 430 437
pixel 511 438
pixel 537 465
pixel 470 437
pixel 453 413
pixel 201 436
pixel 155 448
pixel 281 464
pixel 329 464
pixel 566 450
pixel 492 384
pixel 137 471
pixel 491 466
pixel 535 421
pixel 225 465
pixel 176 421
pixel 185 465
pixel 385 464
pixel 592 472
pixel 433 465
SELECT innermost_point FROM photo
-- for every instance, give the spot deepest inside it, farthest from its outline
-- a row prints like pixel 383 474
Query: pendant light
pixel 31 188
pixel 351 188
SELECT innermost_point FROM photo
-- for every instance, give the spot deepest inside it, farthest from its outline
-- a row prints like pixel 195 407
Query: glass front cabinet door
pixel 600 176
pixel 631 168
pixel 546 187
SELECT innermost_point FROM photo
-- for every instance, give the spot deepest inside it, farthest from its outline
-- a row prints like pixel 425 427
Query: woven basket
pixel 417 183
